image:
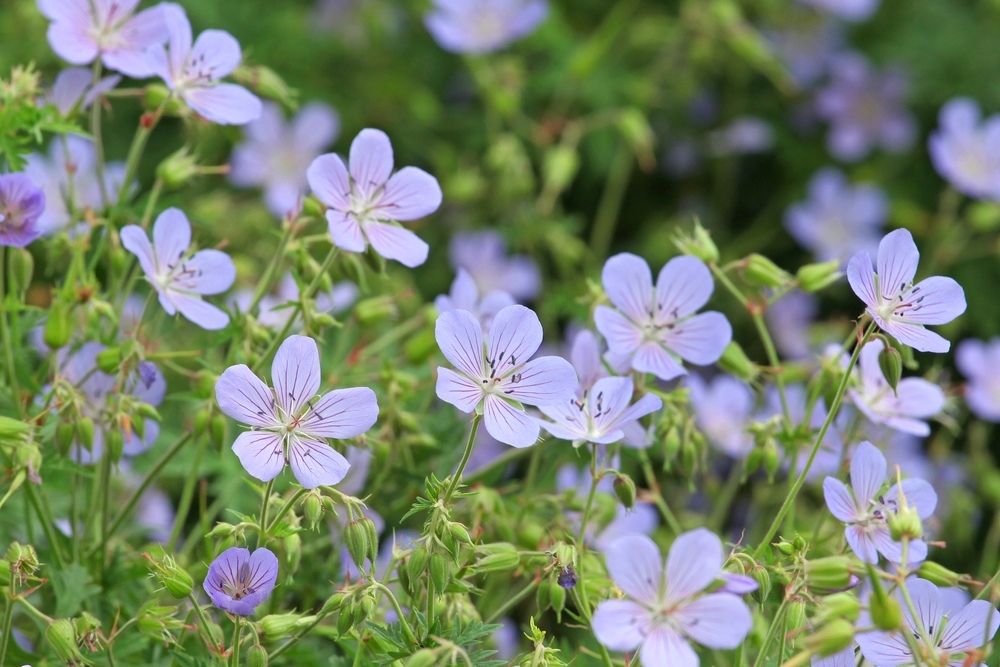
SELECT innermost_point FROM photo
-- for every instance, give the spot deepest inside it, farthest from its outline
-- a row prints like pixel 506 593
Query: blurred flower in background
pixel 966 149
pixel 482 26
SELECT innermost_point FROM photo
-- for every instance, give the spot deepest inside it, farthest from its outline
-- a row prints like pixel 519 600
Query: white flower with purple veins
pixel 979 362
pixel 905 409
pixel 289 424
pixel 966 149
pixel 866 508
pixel 366 199
pixel 899 307
pixel 464 295
pixel 484 256
pixel 722 410
pixel 944 638
pixel 838 220
pixel 848 10
pixel 600 415
pixel 658 328
pixel 865 109
pixel 193 72
pixel 74 87
pixel 275 155
pixel 666 608
pixel 179 276
pixel 483 26
pixel 498 377
pixel 21 204
pixel 84 30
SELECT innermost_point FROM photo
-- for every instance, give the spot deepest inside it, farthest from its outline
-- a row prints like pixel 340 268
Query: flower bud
pixel 425 657
pixel 416 564
pixel 109 360
pixel 345 621
pixel 828 574
pixel 170 575
pixel 499 557
pixel 376 309
pixel 763 579
pixel 905 523
pixel 832 638
pixel 177 169
pixel 313 510
pixel 625 490
pixel 840 605
pixel 460 533
pixel 58 330
pixel 568 577
pixel 699 244
pixel 886 612
pixel 440 571
pixel 938 574
pixel 671 445
pixel 222 530
pixel 891 363
pixel 277 626
pixel 356 538
pixel 201 420
pixel 560 166
pixel 333 603
pixel 735 362
pixel 147 411
pixel 293 550
pixel 257 656
pixel 217 430
pixel 795 616
pixel 557 597
pixel 85 432
pixel 815 277
pixel 420 346
pixel 61 636
pixel 115 442
pixel 21 270
pixel 267 83
pixel 759 271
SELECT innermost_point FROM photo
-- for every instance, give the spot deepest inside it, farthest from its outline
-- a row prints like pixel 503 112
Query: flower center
pixel 240 587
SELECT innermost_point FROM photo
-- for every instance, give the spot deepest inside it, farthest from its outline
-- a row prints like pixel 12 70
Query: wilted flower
pixel 21 204
pixel 966 149
pixel 866 511
pixel 179 277
pixel 722 410
pixel 899 307
pixel 74 86
pixel 482 26
pixel 238 581
pixel 979 362
pixel 464 295
pixel 666 608
pixel 275 155
pixel 484 256
pixel 366 199
pixel 848 10
pixel 504 380
pixel 600 414
pixel 290 425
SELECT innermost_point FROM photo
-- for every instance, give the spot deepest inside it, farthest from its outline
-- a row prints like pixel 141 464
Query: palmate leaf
pixel 72 585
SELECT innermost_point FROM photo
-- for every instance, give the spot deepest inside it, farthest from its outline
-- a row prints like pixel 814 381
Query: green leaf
pixel 72 586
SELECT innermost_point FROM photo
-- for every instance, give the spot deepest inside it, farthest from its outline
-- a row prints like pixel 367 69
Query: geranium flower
pixel 484 256
pixel 74 87
pixel 599 416
pixel 966 149
pixel 21 204
pixel 722 410
pixel 464 295
pixel 238 581
pixel 482 26
pixel 979 362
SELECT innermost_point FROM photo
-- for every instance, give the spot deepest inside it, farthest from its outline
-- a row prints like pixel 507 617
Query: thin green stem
pixel 410 637
pixel 609 208
pixel 8 614
pixel 657 493
pixel 776 622
pixel 512 601
pixel 456 479
pixel 595 479
pixel 266 282
pixel 234 658
pixel 266 496
pixel 725 500
pixel 187 495
pixel 95 131
pixel 205 625
pixel 154 196
pixel 285 508
pixel 45 518
pixel 774 363
pixel 146 125
pixel 5 327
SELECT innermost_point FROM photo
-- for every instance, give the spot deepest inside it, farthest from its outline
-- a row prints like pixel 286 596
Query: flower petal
pixel 244 397
pixel 938 300
pixel 207 272
pixel 867 473
pixel 861 544
pixel 315 127
pixel 650 357
pixel 700 339
pixel 919 495
pixel 72 42
pixel 218 52
pixel 629 285
pixel 862 279
pixel 664 646
pixel 460 338
pixel 410 194
pixel 396 243
pixel 202 313
pixel 459 390
pixel 345 231
pixel 585 356
pixel 341 413
pixel 171 238
pixel 884 648
pixel 315 463
pixel 718 620
pixel 682 288
pixel 897 262
pixel 543 381
pixel 635 565
pixel 915 336
pixel 622 335
pixel 508 424
pixel 263 575
pixel 927 601
pixel 514 336
pixel 260 453
pixel 620 625
pixel 839 500
pixel 134 239
pixel 694 562
pixel 295 372
pixel 224 103
pixel 330 182
pixel 970 628
pixel 370 161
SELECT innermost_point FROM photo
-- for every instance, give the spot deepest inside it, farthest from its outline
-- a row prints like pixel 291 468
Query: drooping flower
pixel 84 30
pixel 899 307
pixel 854 11
pixel 838 220
pixel 484 256
pixel 74 87
pixel 865 109
pixel 906 408
pixel 238 580
pixel 866 510
pixel 944 638
pixel 483 26
pixel 966 149
pixel 659 327
pixel 464 295
pixel 366 199
pixel 194 72
pixel 289 424
pixel 600 415
pixel 180 277
pixel 979 362
pixel 722 410
pixel 499 376
pixel 666 608
pixel 275 155
pixel 274 309
pixel 21 204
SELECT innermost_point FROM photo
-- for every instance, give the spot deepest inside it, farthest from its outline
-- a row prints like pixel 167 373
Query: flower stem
pixel 412 638
pixel 265 283
pixel 609 208
pixel 5 328
pixel 234 658
pixel 512 601
pixel 95 131
pixel 8 614
pixel 284 510
pixel 595 478
pixel 138 146
pixel 187 495
pixel 657 494
pixel 45 518
pixel 262 532
pixel 457 477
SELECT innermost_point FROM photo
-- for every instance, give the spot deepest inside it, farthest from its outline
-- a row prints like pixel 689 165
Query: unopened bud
pixel 815 277
pixel 890 361
pixel 173 577
pixel 938 574
pixel 85 432
pixel 115 441
pixel 366 606
pixel 440 571
pixel 763 578
pixel 567 577
pixel 22 268
pixel 257 656
pixel 376 309
pixel 840 605
pixel 177 169
pixel 762 272
pixel 425 657
pixel 499 557
pixel 560 167
pixel 699 244
pixel 333 603
pixel 293 550
pixel 795 615
pixel 356 538
pixel 201 420
pixel 735 362
pixel 905 523
pixel 460 533
pixel 222 530
pixel 832 638
pixel 217 430
pixel 61 636
pixel 277 626
pixel 829 574
pixel 267 83
pixel 313 510
pixel 886 612
pixel 57 330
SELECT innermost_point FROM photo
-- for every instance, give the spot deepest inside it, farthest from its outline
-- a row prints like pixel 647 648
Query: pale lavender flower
pixel 84 30
pixel 483 26
pixel 806 44
pixel 948 639
pixel 659 327
pixel 966 149
pixel 585 355
pixel 600 415
pixel 865 109
pixel 275 309
pixel 484 256
pixel 744 135
pixel 906 408
pixel 899 307
pixel 838 220
pixel 366 199
pixel 501 380
pixel 238 581
pixel 155 514
pixel 854 11
pixel 275 155
pixel 193 72
pixel 74 87
pixel 21 204
pixel 979 362
pixel 866 510
pixel 789 320
pixel 464 295
pixel 290 425
pixel 354 481
pixel 722 409
pixel 180 277
pixel 666 608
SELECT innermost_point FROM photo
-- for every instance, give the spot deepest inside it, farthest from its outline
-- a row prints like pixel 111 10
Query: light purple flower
pixel 482 26
pixel 914 400
pixel 806 43
pixel 366 199
pixel 866 510
pixel 464 295
pixel 274 309
pixel 838 220
pixel 74 87
pixel 979 362
pixel 865 109
pixel 498 378
pixel 84 30
pixel 21 204
pixel 659 327
pixel 722 410
pixel 600 415
pixel 789 320
pixel 854 11
pixel 947 639
pixel 193 72
pixel 238 581
pixel 666 608
pixel 275 155
pixel 585 355
pixel 966 149
pixel 289 423
pixel 899 307
pixel 484 256
pixel 180 277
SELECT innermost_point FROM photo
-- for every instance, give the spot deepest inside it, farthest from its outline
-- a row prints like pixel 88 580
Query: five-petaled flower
pixel 179 277
pixel 238 581
pixel 499 376
pixel 366 199
pixel 899 307
pixel 966 149
pixel 655 327
pixel 21 204
pixel 483 26
pixel 667 607
pixel 599 415
pixel 289 423
pixel 866 511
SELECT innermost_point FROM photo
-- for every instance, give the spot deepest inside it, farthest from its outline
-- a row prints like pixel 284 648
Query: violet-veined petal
pixel 635 565
pixel 370 161
pixel 508 424
pixel 915 336
pixel 861 544
pixel 171 237
pixel 664 646
pixel 206 272
pixel 884 648
pixel 315 463
pixel 862 279
pixel 341 413
pixel 330 182
pixel 543 381
pixel 620 625
pixel 72 42
pixel 839 500
pixel 650 357
pixel 345 231
pixel 693 563
pixel 410 194
pixel 897 262
pixel 295 372
pixel 260 453
pixel 134 240
pixel 622 334
pixel 700 339
pixel 629 285
pixel 514 336
pixel 244 397
pixel 919 495
pixel 460 338
pixel 718 620
pixel 393 242
pixel 938 300
pixel 683 287
pixel 867 472
pixel 971 627
pixel 217 52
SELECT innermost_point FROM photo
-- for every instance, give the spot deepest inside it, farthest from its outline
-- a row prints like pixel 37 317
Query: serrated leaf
pixel 72 586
